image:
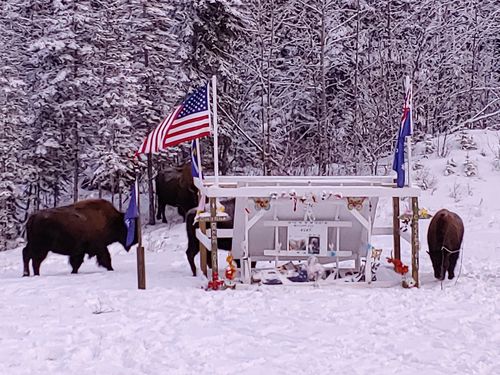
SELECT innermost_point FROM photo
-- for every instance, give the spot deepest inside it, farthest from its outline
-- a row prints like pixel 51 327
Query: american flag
pixel 188 121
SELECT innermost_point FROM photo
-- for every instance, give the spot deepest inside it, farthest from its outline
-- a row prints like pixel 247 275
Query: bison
pixel 444 237
pixel 86 227
pixel 176 188
pixel 222 243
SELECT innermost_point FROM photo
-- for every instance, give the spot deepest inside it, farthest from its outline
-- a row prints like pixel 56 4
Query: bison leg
pixel 104 259
pixel 190 253
pixel 161 212
pixel 76 261
pixel 37 261
pixel 182 212
pixel 26 261
pixel 452 265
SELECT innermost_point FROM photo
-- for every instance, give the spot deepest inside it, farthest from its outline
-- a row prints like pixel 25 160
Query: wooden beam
pixel 213 239
pixel 395 228
pixel 343 191
pixel 141 263
pixel 203 250
pixel 141 268
pixel 415 243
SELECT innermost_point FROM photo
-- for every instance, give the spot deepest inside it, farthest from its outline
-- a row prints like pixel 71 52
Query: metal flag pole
pixel 216 134
pixel 408 100
pixel 199 158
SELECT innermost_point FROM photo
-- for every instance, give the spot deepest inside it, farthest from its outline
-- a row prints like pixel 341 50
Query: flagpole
pixel 141 264
pixel 409 93
pixel 199 159
pixel 216 134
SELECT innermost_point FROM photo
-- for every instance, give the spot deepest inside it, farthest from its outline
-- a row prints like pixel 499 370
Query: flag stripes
pixel 188 121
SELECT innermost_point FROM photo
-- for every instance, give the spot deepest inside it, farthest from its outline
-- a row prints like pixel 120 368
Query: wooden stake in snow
pixel 415 244
pixel 141 265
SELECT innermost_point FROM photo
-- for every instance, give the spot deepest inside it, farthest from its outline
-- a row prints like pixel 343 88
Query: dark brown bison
pixel 86 227
pixel 444 237
pixel 223 243
pixel 175 188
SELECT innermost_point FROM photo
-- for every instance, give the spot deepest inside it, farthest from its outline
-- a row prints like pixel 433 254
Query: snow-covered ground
pixel 97 322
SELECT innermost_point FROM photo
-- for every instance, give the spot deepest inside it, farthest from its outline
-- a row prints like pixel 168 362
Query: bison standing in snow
pixel 86 227
pixel 444 237
pixel 175 188
pixel 222 243
pixel 194 244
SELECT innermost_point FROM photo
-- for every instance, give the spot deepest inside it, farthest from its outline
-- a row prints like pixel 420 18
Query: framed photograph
pixel 313 245
pixel 304 238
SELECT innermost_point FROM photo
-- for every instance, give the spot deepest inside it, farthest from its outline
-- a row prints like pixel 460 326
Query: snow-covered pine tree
pixel 470 167
pixel 261 91
pixel 154 62
pixel 13 121
pixel 59 80
pixel 429 146
pixel 467 141
pixel 109 163
pixel 450 167
pixel 208 31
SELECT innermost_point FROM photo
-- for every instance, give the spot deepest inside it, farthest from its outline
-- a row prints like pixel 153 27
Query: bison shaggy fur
pixel 86 227
pixel 444 237
pixel 175 188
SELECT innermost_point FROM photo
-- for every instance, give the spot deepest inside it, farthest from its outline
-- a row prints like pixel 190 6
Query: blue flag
pixel 405 130
pixel 194 160
pixel 130 216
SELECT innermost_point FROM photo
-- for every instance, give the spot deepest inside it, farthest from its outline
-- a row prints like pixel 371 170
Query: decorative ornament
pixel 402 269
pixel 423 213
pixel 376 254
pixel 215 283
pixel 230 272
pixel 408 282
pixel 309 200
pixel 399 267
pixel 406 217
pixel 355 202
pixel 262 203
pixel 375 264
pixel 293 197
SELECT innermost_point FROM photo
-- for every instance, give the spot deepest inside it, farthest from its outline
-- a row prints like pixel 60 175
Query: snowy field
pixel 97 322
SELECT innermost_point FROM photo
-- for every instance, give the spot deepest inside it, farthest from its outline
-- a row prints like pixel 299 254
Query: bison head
pixel 438 263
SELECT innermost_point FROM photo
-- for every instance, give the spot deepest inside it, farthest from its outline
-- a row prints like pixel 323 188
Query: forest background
pixel 304 87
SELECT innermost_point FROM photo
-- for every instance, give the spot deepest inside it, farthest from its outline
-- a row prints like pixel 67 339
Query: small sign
pixel 216 218
pixel 307 238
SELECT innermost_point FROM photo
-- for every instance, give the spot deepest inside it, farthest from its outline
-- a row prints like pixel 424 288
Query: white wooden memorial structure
pixel 293 218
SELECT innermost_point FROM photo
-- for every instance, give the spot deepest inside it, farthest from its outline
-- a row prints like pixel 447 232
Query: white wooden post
pixel 245 263
pixel 216 130
pixel 276 235
pixel 409 95
pixel 199 159
pixel 368 263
